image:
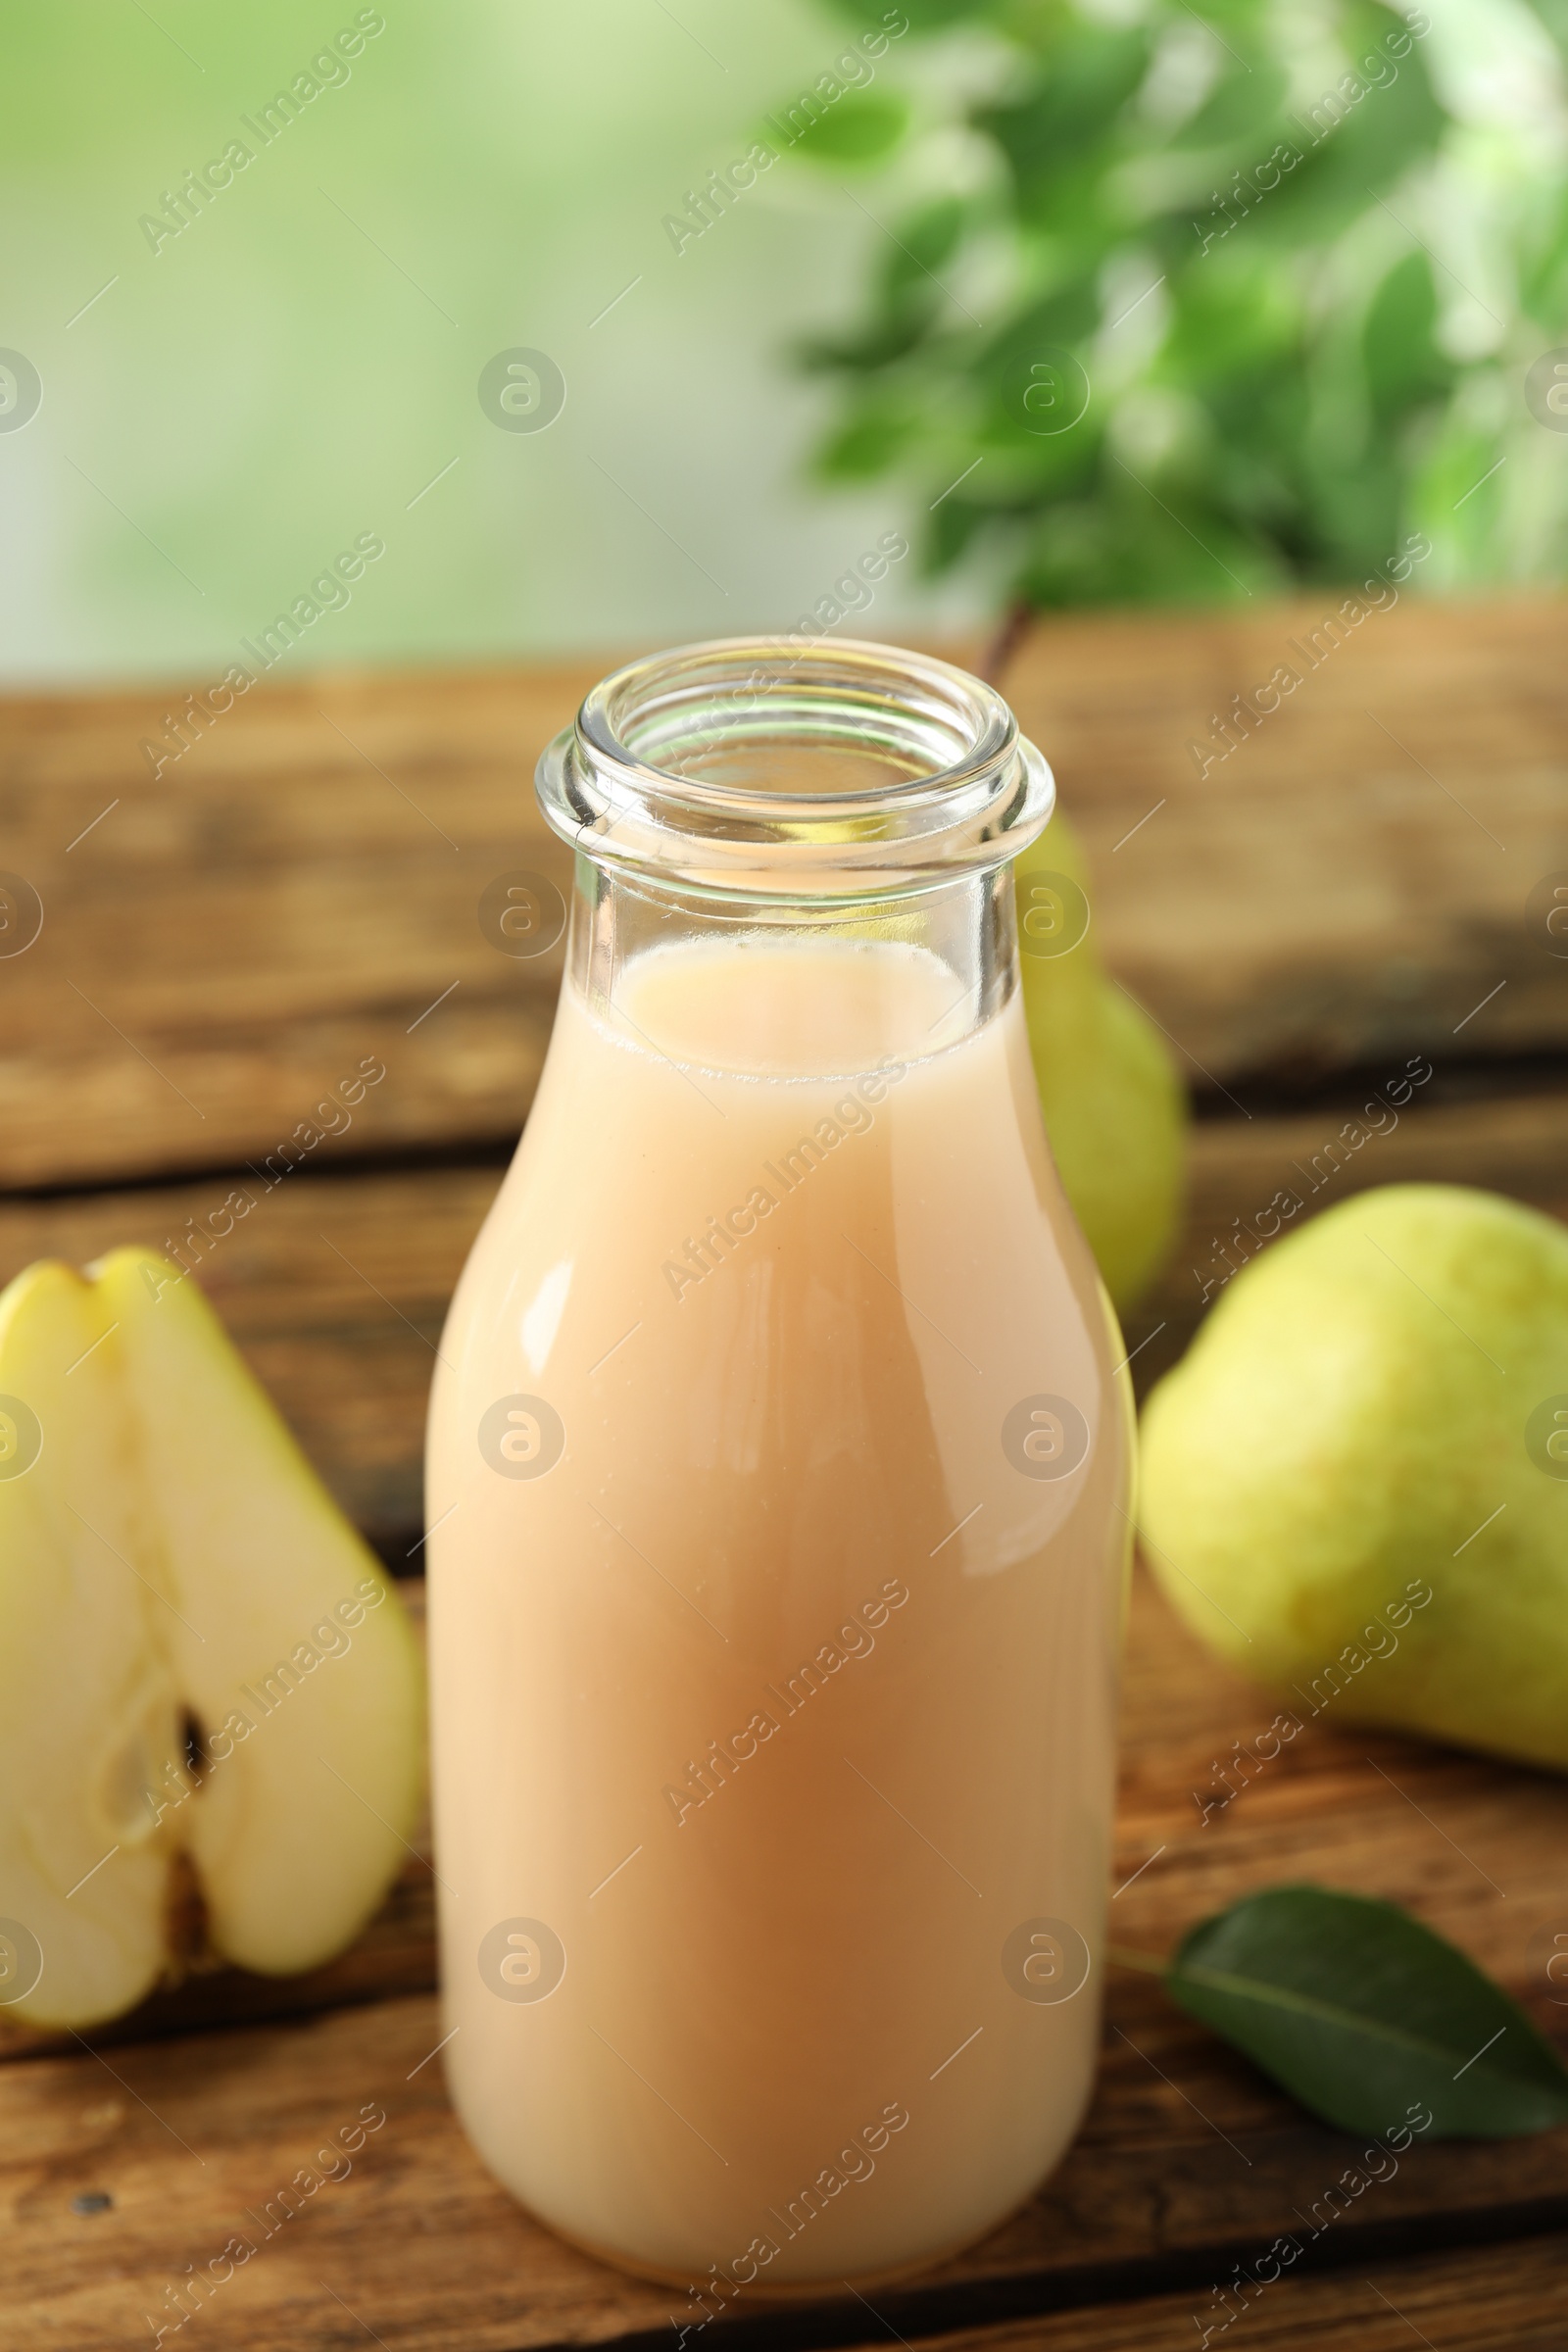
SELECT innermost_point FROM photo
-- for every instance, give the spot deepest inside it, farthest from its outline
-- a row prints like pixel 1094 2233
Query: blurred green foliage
pixel 1173 305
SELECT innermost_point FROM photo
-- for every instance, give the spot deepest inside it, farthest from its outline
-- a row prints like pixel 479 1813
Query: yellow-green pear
pixel 89 1712
pixel 198 1655
pixel 1114 1104
pixel 1354 1485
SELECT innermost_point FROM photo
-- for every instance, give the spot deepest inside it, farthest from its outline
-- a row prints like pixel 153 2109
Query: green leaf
pixel 1240 103
pixel 864 352
pixel 1058 320
pixel 859 128
pixel 1089 77
pixel 1365 2016
pixel 1554 14
pixel 868 439
pixel 924 241
pixel 1544 270
pixel 1228 318
pixel 921 16
pixel 1403 365
pixel 951 532
pixel 1279 367
pixel 1356 136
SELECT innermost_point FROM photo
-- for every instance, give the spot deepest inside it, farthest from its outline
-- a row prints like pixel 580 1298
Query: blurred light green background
pixel 228 413
pixel 301 365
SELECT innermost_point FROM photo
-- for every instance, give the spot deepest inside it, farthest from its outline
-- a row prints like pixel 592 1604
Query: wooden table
pixel 297 892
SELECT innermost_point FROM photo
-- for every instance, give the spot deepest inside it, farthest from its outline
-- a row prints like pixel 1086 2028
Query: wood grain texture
pixel 1515 1144
pixel 335 1290
pixel 297 897
pixel 1187 2163
pixel 1351 879
pixel 292 898
pixel 1505 2299
pixel 299 891
pixel 335 1284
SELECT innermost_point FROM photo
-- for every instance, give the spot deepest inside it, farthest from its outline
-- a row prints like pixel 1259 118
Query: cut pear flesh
pixel 197 1653
pixel 88 1706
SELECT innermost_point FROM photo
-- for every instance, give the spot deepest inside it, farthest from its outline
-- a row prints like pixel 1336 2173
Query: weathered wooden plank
pixel 1505 2299
pixel 195 2143
pixel 287 903
pixel 335 1287
pixel 1184 1846
pixel 1187 2163
pixel 1352 879
pixel 1514 1143
pixel 191 2141
pixel 295 901
pixel 335 1290
pixel 309 872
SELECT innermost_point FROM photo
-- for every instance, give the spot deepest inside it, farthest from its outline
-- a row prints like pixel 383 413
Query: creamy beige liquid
pixel 800 2032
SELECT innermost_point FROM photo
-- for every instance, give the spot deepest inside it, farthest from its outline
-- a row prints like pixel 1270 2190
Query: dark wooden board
pixel 1506 1141
pixel 1352 879
pixel 299 892
pixel 1187 2163
pixel 335 1284
pixel 1507 2300
pixel 297 896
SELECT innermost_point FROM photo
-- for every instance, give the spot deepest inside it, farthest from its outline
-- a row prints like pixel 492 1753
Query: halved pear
pixel 179 1574
pixel 89 1711
pixel 286 1640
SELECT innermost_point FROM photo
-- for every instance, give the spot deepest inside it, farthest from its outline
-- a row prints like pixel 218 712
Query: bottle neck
pixel 852 775
pixel 935 965
pixel 835 826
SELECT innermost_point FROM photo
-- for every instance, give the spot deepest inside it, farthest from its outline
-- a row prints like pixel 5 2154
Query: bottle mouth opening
pixel 746 767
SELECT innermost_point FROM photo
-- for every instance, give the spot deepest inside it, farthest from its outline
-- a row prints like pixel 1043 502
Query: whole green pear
pixel 1114 1106
pixel 1354 1485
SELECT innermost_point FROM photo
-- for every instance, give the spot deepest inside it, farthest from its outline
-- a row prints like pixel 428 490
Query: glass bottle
pixel 779 1471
